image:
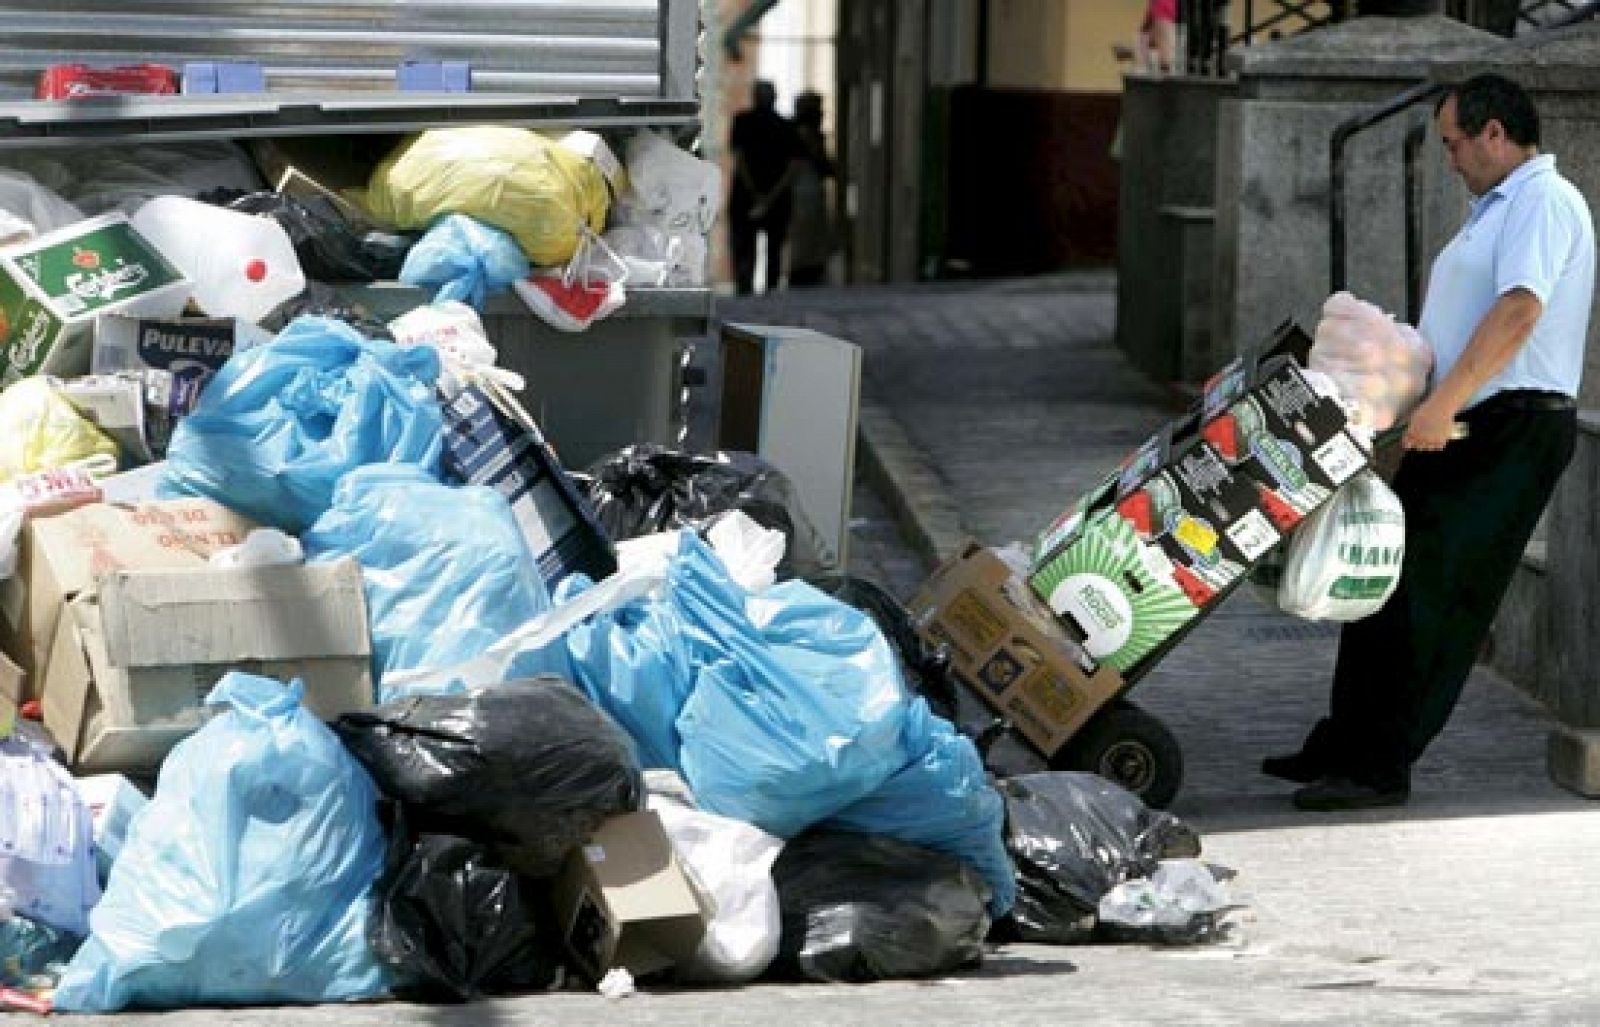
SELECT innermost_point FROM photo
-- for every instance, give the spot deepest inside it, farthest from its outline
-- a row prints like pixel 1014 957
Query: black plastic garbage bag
pixel 861 908
pixel 1073 837
pixel 927 667
pixel 530 767
pixel 644 489
pixel 455 923
pixel 322 300
pixel 329 247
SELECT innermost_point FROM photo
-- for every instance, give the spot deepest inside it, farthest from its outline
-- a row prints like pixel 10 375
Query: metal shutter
pixel 639 49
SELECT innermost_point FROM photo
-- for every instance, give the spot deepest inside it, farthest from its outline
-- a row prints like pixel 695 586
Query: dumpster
pixel 339 80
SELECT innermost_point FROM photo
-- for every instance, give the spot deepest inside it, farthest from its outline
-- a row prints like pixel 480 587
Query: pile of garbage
pixel 300 701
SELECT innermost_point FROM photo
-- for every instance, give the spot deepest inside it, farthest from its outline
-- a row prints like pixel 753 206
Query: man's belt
pixel 1525 400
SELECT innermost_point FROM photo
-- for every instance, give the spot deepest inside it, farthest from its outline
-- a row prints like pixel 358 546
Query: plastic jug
pixel 241 265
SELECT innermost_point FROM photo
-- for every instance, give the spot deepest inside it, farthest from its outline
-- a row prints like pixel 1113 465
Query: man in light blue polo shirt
pixel 1507 313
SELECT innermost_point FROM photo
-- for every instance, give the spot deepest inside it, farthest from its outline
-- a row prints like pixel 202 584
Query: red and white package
pixel 570 306
pixel 54 491
pixel 81 81
pixel 586 290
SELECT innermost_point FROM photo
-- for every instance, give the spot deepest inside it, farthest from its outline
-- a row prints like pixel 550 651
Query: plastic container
pixel 241 265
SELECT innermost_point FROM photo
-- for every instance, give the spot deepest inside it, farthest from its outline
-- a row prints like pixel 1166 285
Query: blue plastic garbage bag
pixel 802 714
pixel 466 259
pixel 445 569
pixel 941 800
pixel 636 664
pixel 247 878
pixel 280 424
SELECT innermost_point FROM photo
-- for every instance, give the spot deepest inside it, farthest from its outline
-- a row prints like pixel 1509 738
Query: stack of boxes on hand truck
pixel 1128 570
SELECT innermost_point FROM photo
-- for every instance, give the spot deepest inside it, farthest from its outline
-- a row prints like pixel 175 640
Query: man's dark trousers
pixel 1470 510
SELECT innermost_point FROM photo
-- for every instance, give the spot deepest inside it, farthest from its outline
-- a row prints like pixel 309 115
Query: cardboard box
pixel 622 899
pixel 12 681
pixel 1272 426
pixel 1179 495
pixel 490 440
pixel 131 664
pixel 191 349
pixel 1123 596
pixel 115 403
pixel 1009 647
pixel 1178 524
pixel 173 358
pixel 62 556
pixel 53 288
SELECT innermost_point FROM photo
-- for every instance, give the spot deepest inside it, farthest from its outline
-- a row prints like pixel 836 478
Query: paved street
pixel 998 404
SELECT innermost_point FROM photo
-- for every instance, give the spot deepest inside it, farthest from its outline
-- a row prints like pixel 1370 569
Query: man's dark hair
pixel 808 109
pixel 764 94
pixel 1485 98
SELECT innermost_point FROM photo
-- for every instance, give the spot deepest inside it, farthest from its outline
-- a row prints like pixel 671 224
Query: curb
pixel 922 507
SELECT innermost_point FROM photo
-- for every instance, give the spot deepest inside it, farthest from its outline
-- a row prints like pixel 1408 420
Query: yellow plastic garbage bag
pixel 530 185
pixel 40 431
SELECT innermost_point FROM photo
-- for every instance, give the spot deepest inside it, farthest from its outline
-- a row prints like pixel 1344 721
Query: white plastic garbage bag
pixel 668 187
pixel 28 208
pixel 11 518
pixel 1344 561
pixel 1380 366
pixel 732 862
pixel 98 179
pixel 660 222
pixel 242 265
pixel 263 547
pixel 1179 902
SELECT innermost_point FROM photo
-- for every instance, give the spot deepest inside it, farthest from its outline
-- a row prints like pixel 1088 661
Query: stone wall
pixel 1164 234
pixel 1273 182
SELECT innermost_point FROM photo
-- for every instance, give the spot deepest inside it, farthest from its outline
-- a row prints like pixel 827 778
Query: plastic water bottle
pixel 240 265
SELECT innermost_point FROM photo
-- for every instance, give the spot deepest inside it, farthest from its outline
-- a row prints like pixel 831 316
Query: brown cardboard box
pixel 623 900
pixel 1010 649
pixel 11 682
pixel 132 662
pixel 62 556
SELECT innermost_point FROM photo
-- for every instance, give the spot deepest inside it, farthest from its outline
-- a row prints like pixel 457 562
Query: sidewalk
pixel 993 406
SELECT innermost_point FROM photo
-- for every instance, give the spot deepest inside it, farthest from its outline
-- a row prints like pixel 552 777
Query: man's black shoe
pixel 1331 794
pixel 1299 768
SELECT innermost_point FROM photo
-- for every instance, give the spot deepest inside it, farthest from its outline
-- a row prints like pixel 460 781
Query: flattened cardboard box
pixel 1011 650
pixel 622 899
pixel 62 556
pixel 133 662
pixel 489 439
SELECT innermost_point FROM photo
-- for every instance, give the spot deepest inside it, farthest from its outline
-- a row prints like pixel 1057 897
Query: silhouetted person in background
pixel 764 150
pixel 811 230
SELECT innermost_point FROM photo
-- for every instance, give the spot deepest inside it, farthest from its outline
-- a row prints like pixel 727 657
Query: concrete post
pixel 1166 210
pixel 1570 663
